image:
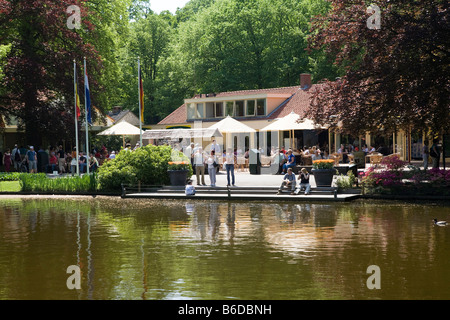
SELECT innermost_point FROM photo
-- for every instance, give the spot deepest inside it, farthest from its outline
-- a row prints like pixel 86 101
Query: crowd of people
pixel 55 159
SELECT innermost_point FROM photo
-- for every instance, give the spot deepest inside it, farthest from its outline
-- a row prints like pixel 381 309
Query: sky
pixel 171 5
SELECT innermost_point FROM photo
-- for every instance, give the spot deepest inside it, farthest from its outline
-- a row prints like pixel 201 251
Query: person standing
pixel 61 160
pixel 210 161
pixel 7 160
pixel 217 150
pixel 31 157
pixel 435 154
pixel 15 156
pixel 229 166
pixel 199 162
pixel 425 154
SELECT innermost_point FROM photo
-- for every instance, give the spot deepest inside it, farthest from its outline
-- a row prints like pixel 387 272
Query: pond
pixel 147 249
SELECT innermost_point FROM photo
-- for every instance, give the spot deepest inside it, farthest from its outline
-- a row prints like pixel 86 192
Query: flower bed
pixel 396 178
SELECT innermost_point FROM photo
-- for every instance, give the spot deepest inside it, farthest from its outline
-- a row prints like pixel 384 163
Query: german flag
pixel 141 95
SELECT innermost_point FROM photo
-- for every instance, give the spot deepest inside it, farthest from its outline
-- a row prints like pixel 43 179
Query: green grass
pixel 10 186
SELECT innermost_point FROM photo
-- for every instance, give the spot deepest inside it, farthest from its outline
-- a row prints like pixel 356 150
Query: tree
pixel 395 77
pixel 149 39
pixel 37 82
pixel 38 76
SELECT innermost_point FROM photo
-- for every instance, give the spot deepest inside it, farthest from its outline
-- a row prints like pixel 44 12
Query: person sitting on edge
pixel 304 182
pixel 288 181
pixel 290 162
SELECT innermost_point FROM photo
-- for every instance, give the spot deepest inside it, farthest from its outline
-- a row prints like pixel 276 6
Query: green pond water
pixel 148 249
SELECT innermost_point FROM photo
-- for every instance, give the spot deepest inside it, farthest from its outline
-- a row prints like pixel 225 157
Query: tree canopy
pixel 396 76
pixel 389 77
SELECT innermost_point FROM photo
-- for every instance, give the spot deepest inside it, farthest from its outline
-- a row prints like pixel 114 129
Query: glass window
pixel 229 108
pixel 261 107
pixel 191 111
pixel 219 109
pixel 250 108
pixel 239 109
pixel 209 110
pixel 200 113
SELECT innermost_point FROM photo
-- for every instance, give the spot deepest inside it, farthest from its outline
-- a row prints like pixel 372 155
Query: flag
pixel 88 97
pixel 141 95
pixel 77 99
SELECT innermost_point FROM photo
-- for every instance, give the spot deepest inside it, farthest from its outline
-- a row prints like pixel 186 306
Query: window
pixel 200 113
pixel 239 109
pixel 219 109
pixel 209 110
pixel 229 108
pixel 261 107
pixel 250 108
pixel 191 111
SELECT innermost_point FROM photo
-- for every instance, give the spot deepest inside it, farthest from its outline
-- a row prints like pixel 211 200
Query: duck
pixel 440 223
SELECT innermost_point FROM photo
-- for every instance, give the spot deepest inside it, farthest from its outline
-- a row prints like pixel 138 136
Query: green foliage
pixel 148 164
pixel 39 182
pixel 9 176
pixel 346 182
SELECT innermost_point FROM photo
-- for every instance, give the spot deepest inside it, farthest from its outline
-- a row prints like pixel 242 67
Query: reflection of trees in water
pixel 150 250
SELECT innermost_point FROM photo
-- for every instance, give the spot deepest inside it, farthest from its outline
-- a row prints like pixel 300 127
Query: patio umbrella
pixel 123 128
pixel 290 123
pixel 230 125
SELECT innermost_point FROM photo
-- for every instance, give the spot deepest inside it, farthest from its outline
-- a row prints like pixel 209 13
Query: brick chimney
pixel 305 81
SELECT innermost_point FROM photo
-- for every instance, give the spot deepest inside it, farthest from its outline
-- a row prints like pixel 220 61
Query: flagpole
pixel 140 105
pixel 76 112
pixel 87 126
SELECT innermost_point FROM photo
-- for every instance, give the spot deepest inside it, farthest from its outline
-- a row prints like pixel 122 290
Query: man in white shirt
pixel 216 148
pixel 229 166
pixel 199 163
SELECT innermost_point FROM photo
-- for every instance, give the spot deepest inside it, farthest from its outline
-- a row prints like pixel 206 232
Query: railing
pixel 126 188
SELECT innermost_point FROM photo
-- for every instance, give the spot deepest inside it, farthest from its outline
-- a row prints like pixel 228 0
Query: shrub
pixel 148 164
pixel 393 162
pixel 39 182
pixel 9 176
pixel 346 182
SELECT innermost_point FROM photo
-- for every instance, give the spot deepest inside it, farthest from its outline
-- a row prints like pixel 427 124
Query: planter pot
pixel 178 177
pixel 323 177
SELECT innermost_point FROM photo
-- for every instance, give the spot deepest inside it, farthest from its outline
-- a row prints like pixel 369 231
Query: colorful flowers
pixel 178 165
pixel 323 164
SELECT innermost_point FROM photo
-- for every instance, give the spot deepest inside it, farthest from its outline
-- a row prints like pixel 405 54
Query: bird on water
pixel 439 223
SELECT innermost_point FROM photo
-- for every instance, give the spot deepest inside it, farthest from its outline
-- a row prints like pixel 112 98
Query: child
pixel 190 189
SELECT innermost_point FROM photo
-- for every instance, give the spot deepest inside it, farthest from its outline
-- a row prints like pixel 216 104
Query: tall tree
pixel 395 76
pixel 149 39
pixel 37 69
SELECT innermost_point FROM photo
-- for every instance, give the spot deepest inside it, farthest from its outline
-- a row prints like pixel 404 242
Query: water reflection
pixel 143 249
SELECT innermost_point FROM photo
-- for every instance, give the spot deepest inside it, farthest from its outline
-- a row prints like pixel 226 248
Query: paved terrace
pixel 249 187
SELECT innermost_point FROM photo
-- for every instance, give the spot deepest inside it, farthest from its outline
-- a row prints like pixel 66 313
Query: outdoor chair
pixel 375 159
pixel 336 157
